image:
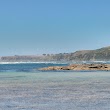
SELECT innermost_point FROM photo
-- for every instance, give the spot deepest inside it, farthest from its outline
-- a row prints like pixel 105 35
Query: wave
pixel 74 62
pixel 90 62
pixel 31 63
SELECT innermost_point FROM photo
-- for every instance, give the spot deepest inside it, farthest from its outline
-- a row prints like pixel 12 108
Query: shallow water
pixel 55 91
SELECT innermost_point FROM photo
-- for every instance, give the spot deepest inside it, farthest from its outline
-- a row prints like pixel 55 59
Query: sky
pixel 30 27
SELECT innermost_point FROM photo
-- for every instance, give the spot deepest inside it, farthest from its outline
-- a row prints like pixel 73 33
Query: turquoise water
pixel 54 90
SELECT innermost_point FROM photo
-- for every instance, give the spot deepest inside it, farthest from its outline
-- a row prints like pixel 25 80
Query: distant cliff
pixel 102 54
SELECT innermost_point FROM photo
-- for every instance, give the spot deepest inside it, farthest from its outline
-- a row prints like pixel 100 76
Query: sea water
pixel 23 87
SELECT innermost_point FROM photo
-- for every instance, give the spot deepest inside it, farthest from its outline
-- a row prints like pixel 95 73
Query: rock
pixel 79 67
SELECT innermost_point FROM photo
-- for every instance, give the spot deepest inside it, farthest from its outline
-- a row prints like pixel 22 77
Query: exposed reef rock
pixel 79 67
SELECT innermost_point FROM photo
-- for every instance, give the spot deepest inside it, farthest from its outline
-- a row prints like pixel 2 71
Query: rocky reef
pixel 79 67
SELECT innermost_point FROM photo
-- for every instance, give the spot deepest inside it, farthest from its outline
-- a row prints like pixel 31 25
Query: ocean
pixel 24 87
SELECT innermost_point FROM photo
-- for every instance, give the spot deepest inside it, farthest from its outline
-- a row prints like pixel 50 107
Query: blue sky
pixel 53 26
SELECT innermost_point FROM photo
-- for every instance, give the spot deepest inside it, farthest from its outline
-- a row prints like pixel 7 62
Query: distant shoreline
pixel 98 55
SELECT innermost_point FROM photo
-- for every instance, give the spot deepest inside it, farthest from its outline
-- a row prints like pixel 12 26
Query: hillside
pixel 102 54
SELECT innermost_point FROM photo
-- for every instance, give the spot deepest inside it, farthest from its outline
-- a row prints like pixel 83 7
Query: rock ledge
pixel 79 67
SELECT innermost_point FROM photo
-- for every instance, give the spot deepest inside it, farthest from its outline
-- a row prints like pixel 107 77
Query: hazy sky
pixel 53 26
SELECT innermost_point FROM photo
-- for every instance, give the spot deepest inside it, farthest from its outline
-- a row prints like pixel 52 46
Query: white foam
pixel 30 63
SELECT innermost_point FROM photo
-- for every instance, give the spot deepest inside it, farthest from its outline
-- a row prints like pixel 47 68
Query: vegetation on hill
pixel 102 54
